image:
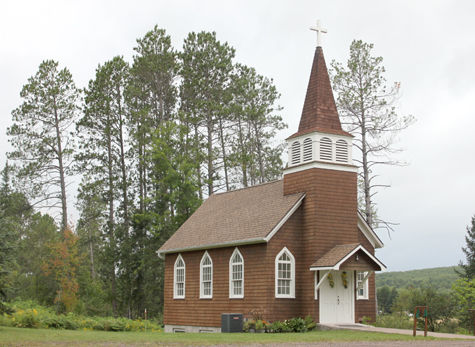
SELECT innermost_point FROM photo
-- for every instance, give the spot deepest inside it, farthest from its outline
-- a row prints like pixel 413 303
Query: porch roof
pixel 340 257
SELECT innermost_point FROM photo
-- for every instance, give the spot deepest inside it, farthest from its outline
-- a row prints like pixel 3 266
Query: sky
pixel 427 46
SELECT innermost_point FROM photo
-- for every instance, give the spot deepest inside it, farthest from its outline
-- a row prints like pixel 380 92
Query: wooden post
pixel 415 322
pixel 426 313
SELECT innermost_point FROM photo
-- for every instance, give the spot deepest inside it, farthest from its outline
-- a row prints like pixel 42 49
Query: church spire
pixel 319 111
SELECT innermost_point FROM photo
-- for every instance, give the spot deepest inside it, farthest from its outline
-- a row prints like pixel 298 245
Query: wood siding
pixel 326 218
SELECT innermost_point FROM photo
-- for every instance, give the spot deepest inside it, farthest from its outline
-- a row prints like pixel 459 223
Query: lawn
pixel 46 337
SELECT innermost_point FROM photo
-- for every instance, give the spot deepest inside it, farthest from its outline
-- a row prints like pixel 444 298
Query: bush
pixel 394 320
pixel 296 325
pixel 28 314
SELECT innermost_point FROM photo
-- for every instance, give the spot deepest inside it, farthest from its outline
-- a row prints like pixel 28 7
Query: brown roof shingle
pixel 237 216
pixel 333 256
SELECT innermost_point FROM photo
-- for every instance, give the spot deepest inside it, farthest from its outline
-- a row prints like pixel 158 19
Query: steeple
pixel 320 142
pixel 319 110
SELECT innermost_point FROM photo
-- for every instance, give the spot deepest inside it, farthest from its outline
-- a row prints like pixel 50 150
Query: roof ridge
pixel 244 188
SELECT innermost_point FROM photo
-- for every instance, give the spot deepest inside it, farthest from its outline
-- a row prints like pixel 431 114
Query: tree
pixel 43 147
pixel 206 67
pixel 152 97
pixel 367 107
pixel 254 125
pixel 469 250
pixel 386 297
pixel 103 159
pixel 441 306
pixel 63 264
pixel 464 293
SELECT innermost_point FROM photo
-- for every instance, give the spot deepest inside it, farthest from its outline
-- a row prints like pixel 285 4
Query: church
pixel 288 248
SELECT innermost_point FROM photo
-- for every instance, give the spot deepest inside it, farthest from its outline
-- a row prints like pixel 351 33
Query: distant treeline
pixel 439 278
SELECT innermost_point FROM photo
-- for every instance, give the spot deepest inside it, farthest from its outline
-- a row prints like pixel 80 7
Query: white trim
pixel 175 295
pixel 213 245
pixel 321 279
pixel 231 288
pixel 320 165
pixel 292 274
pixel 202 295
pixel 365 281
pixel 369 232
pixel 283 220
pixel 337 265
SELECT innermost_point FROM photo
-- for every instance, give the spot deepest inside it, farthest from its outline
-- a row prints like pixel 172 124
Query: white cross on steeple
pixel 319 31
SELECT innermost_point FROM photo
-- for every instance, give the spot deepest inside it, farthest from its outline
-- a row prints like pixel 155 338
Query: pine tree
pixel 206 70
pixel 103 161
pixel 43 145
pixel 366 106
pixel 469 250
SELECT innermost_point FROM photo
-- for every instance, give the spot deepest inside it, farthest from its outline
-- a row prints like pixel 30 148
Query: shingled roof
pixel 335 257
pixel 243 216
pixel 319 110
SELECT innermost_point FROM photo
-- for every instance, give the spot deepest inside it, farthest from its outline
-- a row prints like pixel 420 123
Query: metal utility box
pixel 231 322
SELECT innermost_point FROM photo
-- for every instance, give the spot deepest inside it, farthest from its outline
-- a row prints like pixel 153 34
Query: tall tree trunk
pixel 111 218
pixel 210 156
pixel 364 153
pixel 259 154
pixel 64 219
pixel 198 161
pixel 123 167
pixel 223 149
pixel 242 156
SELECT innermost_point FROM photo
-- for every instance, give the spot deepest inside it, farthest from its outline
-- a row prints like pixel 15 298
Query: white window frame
pixel 365 285
pixel 315 284
pixel 231 281
pixel 175 282
pixel 291 295
pixel 202 295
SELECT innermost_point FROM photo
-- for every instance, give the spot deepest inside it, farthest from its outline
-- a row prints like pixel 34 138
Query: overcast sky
pixel 428 46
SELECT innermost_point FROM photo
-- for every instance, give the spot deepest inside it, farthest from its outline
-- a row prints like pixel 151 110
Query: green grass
pixel 45 337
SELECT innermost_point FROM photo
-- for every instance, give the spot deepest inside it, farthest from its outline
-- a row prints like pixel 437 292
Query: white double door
pixel 337 302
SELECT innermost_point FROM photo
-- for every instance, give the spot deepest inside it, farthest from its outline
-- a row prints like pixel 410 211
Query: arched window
pixel 307 149
pixel 325 148
pixel 284 274
pixel 206 277
pixel 342 151
pixel 295 153
pixel 236 275
pixel 179 278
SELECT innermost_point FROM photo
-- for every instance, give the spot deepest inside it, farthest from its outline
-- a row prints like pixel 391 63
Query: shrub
pixel 394 320
pixel 28 314
pixel 296 325
pixel 310 323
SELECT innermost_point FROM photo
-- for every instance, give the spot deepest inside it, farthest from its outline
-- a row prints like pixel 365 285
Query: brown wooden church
pixel 288 248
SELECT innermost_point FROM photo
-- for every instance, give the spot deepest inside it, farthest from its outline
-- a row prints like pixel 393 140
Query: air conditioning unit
pixel 231 322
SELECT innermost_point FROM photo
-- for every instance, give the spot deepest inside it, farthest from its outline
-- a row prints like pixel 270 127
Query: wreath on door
pixel 330 280
pixel 344 279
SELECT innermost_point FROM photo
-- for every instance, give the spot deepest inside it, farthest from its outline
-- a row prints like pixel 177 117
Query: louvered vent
pixel 295 153
pixel 325 148
pixel 307 149
pixel 342 151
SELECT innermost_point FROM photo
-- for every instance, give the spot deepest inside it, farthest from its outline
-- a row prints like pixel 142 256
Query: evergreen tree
pixel 43 146
pixel 255 124
pixel 469 250
pixel 205 95
pixel 103 160
pixel 366 106
pixel 152 99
